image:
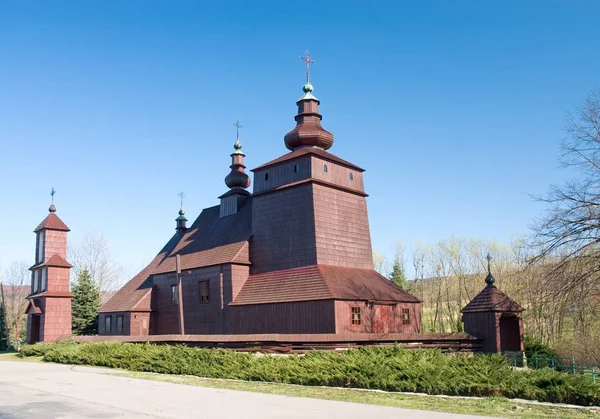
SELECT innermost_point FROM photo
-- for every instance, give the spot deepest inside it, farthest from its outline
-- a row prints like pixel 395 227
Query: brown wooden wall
pixel 282 174
pixel 296 317
pixel 377 318
pixel 342 228
pixel 336 174
pixel 283 230
pixel 484 326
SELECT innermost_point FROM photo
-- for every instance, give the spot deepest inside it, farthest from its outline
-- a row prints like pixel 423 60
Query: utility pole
pixel 179 293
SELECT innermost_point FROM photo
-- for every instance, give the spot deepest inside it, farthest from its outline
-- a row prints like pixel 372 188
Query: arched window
pixel 296 168
pixel 267 176
pixel 325 168
pixel 351 177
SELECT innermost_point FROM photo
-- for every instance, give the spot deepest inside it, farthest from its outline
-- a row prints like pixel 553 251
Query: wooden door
pixel 510 333
pixel 383 319
pixel 35 328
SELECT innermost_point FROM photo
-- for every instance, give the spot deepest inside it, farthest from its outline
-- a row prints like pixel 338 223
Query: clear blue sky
pixel 456 109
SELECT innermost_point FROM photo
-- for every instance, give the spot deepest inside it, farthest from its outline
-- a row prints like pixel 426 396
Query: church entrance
pixel 510 335
pixel 35 328
pixel 383 319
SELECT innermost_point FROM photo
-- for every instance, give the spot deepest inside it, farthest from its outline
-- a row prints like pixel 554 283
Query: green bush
pixel 534 347
pixel 390 369
pixel 40 349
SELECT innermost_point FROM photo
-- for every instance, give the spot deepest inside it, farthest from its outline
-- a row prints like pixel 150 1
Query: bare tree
pixel 571 226
pixel 379 262
pixel 17 286
pixel 94 253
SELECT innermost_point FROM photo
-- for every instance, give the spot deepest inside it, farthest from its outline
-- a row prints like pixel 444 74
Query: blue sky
pixel 456 109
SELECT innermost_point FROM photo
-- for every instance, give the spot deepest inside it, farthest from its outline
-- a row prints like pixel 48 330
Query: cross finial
pixel 489 279
pixel 181 195
pixel 237 125
pixel 52 193
pixel 308 61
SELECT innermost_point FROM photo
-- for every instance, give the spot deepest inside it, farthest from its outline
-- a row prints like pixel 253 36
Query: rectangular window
pixel 44 279
pixel 36 280
pixel 107 324
pixel 204 292
pixel 120 324
pixel 355 316
pixel 174 295
pixel 405 316
pixel 40 255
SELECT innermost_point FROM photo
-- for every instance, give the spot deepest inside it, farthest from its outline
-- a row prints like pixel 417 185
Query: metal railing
pixel 562 364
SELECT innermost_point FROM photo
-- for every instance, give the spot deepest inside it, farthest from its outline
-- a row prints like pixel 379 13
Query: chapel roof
pixel 491 299
pixel 320 282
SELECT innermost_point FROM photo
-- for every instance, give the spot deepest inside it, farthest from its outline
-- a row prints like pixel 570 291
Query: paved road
pixel 30 390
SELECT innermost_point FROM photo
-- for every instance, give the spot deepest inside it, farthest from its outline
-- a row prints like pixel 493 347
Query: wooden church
pixel 292 256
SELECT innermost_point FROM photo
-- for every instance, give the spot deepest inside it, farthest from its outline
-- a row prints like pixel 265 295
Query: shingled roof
pixel 211 240
pixel 491 299
pixel 310 150
pixel 128 297
pixel 54 261
pixel 52 222
pixel 320 282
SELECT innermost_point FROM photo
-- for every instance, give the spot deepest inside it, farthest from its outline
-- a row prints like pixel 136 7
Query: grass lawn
pixel 14 356
pixel 497 407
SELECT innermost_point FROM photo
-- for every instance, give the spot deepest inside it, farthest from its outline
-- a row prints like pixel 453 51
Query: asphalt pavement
pixel 34 390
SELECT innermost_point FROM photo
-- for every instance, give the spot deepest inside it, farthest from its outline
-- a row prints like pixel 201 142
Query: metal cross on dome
pixel 489 259
pixel 52 193
pixel 238 126
pixel 308 61
pixel 181 195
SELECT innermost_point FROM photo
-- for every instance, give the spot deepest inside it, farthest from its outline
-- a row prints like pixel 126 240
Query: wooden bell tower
pixel 49 308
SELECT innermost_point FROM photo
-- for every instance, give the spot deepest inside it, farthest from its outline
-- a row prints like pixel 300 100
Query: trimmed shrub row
pixel 390 369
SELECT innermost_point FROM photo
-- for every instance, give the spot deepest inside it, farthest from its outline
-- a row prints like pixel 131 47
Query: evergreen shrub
pixel 390 369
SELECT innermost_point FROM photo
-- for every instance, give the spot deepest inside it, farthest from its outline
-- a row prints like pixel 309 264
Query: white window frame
pixel 41 244
pixel 44 279
pixel 36 277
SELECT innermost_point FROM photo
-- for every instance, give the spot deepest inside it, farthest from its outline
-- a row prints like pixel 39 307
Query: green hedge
pixel 390 369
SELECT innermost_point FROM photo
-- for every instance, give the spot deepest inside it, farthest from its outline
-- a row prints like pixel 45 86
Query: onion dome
pixel 308 131
pixel 237 178
pixel 52 208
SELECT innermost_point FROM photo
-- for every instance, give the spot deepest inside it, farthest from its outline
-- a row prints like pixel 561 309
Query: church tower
pixel 309 206
pixel 49 309
pixel 237 180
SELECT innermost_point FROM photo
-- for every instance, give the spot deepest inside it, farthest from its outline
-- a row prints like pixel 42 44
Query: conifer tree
pixel 85 305
pixel 397 276
pixel 3 330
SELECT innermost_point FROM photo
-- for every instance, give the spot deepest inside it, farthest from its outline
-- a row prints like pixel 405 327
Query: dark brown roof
pixel 320 282
pixel 310 150
pixel 139 286
pixel 491 299
pixel 55 261
pixel 211 240
pixel 62 294
pixel 34 308
pixel 52 222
